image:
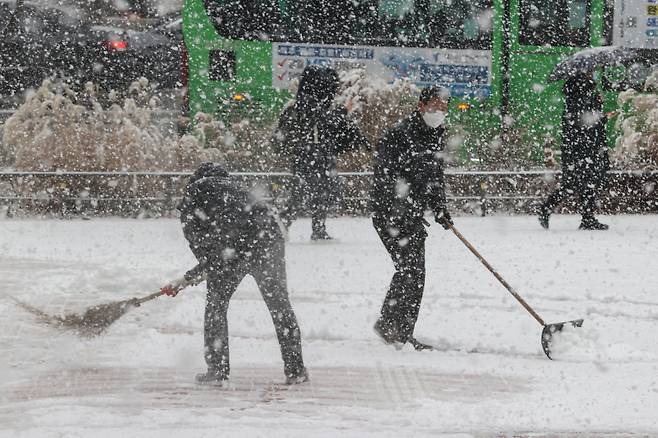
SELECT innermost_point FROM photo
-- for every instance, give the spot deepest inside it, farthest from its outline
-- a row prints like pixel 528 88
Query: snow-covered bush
pixel 244 141
pixel 637 144
pixel 57 129
pixel 374 106
pixel 377 105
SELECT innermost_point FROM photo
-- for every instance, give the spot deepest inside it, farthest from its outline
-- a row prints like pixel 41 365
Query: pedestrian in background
pixel 584 151
pixel 312 133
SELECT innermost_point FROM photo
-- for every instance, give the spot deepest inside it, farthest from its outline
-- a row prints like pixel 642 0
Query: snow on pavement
pixel 489 379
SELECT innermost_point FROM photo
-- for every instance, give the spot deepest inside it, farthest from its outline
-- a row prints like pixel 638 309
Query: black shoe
pixel 543 218
pixel 386 334
pixel 321 235
pixel 298 378
pixel 211 377
pixel 286 221
pixel 419 346
pixel 592 224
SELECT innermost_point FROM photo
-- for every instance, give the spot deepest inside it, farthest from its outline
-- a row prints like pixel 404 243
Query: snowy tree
pixel 59 130
pixel 637 144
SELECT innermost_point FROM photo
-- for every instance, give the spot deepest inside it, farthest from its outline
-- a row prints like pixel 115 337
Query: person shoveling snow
pixel 233 235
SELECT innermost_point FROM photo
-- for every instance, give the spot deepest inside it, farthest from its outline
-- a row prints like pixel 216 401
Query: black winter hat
pixel 208 169
pixel 434 92
pixel 318 84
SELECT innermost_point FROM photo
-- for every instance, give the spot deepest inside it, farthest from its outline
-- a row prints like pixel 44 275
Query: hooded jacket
pixel 223 223
pixel 584 148
pixel 313 133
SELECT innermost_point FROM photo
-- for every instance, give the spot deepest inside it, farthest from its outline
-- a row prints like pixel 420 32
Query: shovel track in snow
pixel 381 387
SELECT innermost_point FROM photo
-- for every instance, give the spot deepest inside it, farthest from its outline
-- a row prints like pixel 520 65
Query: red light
pixel 116 45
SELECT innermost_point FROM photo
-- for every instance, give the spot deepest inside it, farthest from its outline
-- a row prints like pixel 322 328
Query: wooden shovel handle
pixel 148 297
pixel 502 281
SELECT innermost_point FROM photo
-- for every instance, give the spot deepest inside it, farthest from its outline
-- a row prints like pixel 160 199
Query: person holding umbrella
pixel 584 150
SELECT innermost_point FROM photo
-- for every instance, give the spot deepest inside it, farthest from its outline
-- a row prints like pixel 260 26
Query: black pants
pixel 402 303
pixel 313 192
pixel 269 270
pixel 574 185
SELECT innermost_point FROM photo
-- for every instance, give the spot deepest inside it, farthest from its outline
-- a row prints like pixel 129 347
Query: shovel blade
pixel 550 329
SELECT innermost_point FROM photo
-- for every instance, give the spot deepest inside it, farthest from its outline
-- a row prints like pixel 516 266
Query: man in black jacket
pixel 233 235
pixel 409 181
pixel 313 133
pixel 584 151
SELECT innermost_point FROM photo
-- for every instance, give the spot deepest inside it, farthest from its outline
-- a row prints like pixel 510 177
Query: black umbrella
pixel 589 60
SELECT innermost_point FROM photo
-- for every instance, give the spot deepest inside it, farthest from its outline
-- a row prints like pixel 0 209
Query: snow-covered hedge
pixel 637 144
pixel 57 129
pixel 374 106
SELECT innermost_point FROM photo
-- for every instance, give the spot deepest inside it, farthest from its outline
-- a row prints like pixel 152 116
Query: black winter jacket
pixel 408 173
pixel 584 145
pixel 313 141
pixel 224 224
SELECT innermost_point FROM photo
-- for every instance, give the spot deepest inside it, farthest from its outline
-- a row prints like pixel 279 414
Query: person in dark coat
pixel 313 133
pixel 584 151
pixel 232 235
pixel 408 182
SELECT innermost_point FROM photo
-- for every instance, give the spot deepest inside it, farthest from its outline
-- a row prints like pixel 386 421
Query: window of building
pixel 554 23
pixel 408 23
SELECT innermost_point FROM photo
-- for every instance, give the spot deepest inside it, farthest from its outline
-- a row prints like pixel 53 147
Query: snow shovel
pixel 548 329
pixel 96 319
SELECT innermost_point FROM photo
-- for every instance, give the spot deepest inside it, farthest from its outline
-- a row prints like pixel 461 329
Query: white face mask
pixel 434 119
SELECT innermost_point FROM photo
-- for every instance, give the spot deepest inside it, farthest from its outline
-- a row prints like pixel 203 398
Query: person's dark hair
pixel 317 88
pixel 310 83
pixel 318 83
pixel 577 86
pixel 204 170
pixel 434 92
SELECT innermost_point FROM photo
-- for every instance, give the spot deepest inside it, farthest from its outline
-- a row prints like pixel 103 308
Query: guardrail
pixel 157 193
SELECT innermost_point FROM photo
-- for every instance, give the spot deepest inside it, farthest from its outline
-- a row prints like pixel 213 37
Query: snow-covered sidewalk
pixel 490 378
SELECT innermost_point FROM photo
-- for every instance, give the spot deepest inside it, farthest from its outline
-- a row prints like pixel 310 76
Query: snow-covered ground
pixel 490 378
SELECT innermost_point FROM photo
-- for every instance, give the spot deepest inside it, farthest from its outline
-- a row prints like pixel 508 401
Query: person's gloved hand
pixel 169 290
pixel 173 288
pixel 444 219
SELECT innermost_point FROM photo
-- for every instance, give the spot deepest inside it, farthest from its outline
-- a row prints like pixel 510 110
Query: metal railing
pixel 129 193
